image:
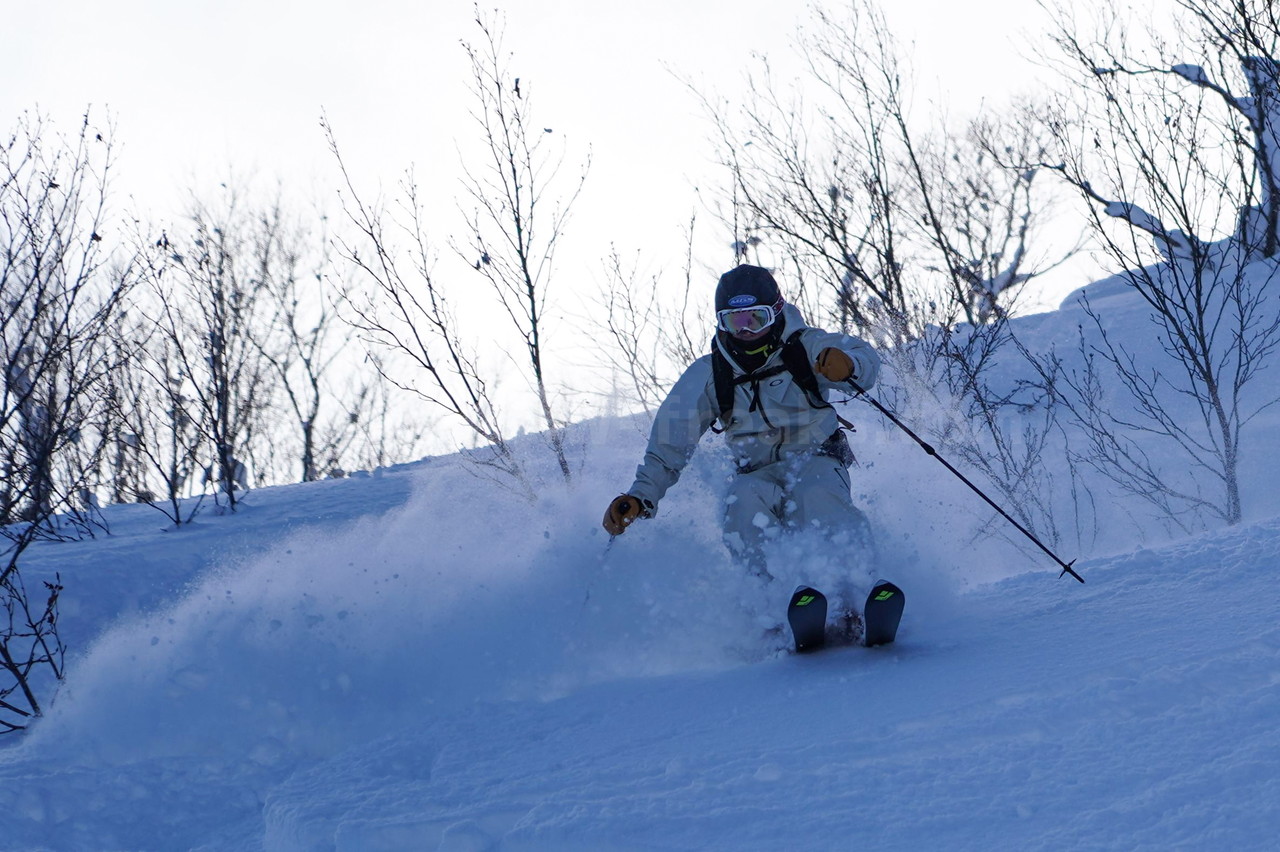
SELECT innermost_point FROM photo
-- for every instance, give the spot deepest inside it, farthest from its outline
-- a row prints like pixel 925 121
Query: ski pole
pixel 592 581
pixel 625 508
pixel 1066 566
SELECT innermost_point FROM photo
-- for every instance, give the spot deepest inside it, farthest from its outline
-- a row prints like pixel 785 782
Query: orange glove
pixel 835 364
pixel 623 512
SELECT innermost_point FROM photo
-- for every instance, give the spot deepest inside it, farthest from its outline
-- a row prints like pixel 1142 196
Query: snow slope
pixel 336 692
pixel 420 659
pixel 1131 715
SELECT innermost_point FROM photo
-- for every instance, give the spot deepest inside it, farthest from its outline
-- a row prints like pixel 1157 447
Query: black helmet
pixel 745 286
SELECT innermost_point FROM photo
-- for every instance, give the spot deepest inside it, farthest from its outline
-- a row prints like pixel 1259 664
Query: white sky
pixel 197 86
pixel 200 89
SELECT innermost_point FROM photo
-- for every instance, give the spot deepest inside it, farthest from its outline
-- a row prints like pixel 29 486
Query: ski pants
pixel 806 492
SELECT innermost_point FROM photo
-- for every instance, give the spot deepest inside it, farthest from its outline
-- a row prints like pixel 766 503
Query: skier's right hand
pixel 623 512
pixel 835 365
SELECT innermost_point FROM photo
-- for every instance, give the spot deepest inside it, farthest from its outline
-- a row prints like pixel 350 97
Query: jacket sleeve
pixel 866 361
pixel 682 419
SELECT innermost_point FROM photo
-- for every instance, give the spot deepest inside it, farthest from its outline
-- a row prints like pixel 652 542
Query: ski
pixel 807 615
pixel 882 613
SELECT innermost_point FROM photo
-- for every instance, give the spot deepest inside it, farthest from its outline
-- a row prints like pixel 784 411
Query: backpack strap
pixel 796 359
pixel 722 375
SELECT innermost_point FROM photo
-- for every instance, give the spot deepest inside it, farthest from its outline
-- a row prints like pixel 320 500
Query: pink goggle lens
pixel 749 320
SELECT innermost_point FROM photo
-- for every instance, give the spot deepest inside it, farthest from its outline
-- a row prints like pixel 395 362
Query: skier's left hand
pixel 834 364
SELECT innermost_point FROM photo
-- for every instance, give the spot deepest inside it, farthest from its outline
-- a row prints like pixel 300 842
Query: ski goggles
pixel 746 320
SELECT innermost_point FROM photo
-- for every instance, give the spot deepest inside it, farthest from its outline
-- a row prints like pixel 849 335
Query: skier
pixel 766 380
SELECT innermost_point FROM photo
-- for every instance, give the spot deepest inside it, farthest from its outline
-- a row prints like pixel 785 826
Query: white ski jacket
pixel 773 419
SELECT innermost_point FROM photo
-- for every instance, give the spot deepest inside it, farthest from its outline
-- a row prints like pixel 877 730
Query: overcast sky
pixel 197 86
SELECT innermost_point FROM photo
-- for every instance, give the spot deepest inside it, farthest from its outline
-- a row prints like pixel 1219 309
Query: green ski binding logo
pixel 805 600
pixel 884 595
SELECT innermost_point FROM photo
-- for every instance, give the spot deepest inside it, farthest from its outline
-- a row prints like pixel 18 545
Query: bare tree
pixel 31 651
pixel 158 445
pixel 656 328
pixel 992 211
pixel 56 303
pixel 897 227
pixel 384 433
pixel 826 216
pixel 1187 172
pixel 208 285
pixel 57 295
pixel 125 474
pixel 403 316
pixel 1239 40
pixel 305 342
pixel 402 310
pixel 631 321
pixel 512 232
pixel 1009 429
pixel 1166 147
